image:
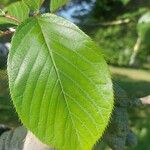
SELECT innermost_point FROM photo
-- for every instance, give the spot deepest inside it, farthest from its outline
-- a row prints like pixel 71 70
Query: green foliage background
pixel 117 41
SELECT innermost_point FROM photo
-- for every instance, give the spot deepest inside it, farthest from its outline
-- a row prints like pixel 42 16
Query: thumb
pixel 32 143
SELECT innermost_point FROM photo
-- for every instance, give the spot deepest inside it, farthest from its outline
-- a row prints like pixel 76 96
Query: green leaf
pixel 55 4
pixel 60 83
pixel 34 4
pixel 18 10
pixel 4 21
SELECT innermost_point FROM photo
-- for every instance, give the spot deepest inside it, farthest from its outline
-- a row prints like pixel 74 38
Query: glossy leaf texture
pixel 34 4
pixel 18 10
pixel 60 83
pixel 56 4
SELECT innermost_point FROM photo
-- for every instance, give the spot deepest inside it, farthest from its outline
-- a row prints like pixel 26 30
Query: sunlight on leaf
pixel 60 83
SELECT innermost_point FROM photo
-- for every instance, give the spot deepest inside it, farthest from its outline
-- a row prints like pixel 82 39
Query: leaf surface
pixel 60 83
pixel 18 10
pixel 34 4
pixel 4 21
pixel 55 4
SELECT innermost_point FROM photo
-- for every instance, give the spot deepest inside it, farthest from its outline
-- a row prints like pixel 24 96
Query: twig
pixel 135 51
pixel 112 23
pixel 117 22
pixel 12 18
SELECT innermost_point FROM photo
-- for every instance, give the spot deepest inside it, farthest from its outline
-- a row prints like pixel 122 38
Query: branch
pixel 112 23
pixel 135 51
pixel 117 22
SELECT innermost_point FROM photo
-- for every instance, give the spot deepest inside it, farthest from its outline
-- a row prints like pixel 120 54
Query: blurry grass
pixel 135 82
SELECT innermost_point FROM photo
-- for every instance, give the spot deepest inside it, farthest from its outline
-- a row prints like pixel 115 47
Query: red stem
pixel 12 18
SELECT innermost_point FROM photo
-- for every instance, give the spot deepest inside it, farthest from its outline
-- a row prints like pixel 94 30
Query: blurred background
pixel 122 29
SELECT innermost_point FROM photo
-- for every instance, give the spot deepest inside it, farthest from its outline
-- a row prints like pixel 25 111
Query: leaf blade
pixel 54 5
pixel 33 4
pixel 59 75
pixel 18 10
pixel 5 21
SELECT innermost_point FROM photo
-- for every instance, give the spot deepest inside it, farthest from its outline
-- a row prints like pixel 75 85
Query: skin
pixel 31 142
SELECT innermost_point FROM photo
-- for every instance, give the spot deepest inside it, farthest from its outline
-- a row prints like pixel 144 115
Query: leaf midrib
pixel 60 83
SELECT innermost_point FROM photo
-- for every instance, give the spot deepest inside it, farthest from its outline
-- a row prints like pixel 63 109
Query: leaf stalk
pixel 12 18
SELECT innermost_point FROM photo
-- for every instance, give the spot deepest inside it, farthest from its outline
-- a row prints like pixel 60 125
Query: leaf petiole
pixel 12 18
